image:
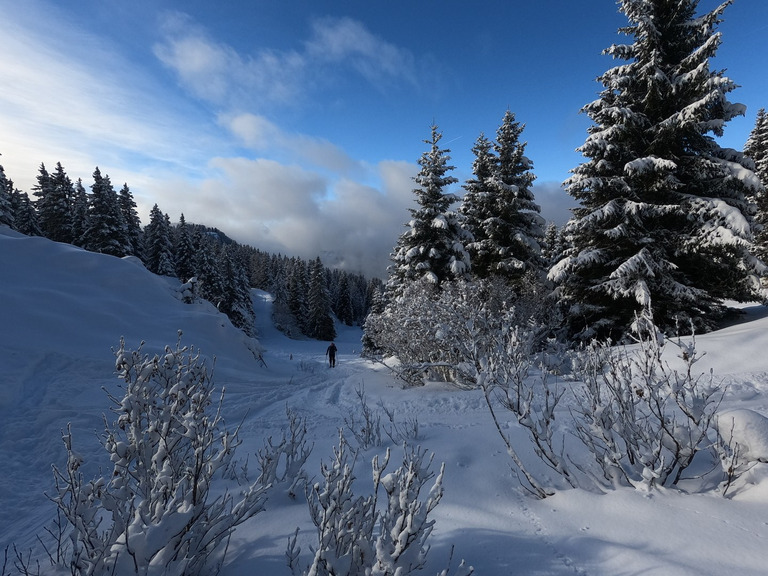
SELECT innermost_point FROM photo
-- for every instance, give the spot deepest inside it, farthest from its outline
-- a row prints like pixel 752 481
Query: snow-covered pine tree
pixel 343 304
pixel 53 192
pixel 236 300
pixel 261 271
pixel 478 205
pixel 206 270
pixel 79 207
pixel 297 292
pixel 158 249
pixel 132 221
pixel 184 251
pixel 6 207
pixel 105 227
pixel 664 217
pixel 374 295
pixel 519 228
pixel 552 245
pixel 319 319
pixel 433 246
pixel 756 148
pixel 60 206
pixel 500 209
pixel 24 214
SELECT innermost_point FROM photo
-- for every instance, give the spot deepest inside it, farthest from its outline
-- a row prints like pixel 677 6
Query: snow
pixel 748 429
pixel 649 164
pixel 63 310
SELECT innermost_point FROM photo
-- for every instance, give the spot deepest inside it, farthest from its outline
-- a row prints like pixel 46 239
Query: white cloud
pixel 217 73
pixel 262 135
pixel 294 211
pixel 344 40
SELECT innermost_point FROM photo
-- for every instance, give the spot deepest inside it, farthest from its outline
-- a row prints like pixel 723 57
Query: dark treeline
pixel 208 263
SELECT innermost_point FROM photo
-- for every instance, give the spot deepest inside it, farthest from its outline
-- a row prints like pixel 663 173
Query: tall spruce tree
pixel 24 214
pixel 51 205
pixel 184 251
pixel 158 248
pixel 6 206
pixel 105 227
pixel 756 148
pixel 208 273
pixel 479 205
pixel 236 300
pixel 79 206
pixel 343 304
pixel 433 246
pixel 58 208
pixel 319 322
pixel 664 219
pixel 54 214
pixel 297 292
pixel 132 221
pixel 501 213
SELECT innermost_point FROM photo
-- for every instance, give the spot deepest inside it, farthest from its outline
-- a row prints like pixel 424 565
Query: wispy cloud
pixel 261 134
pixel 217 73
pixel 344 41
pixel 71 98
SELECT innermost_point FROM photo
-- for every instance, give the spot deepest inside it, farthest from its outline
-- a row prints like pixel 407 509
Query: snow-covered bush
pixel 642 420
pixel 513 379
pixel 283 462
pixel 363 536
pixel 440 334
pixel 364 423
pixel 155 511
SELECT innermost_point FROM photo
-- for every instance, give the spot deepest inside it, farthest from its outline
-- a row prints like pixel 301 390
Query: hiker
pixel 331 353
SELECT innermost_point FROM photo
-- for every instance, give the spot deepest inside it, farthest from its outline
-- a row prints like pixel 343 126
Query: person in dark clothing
pixel 331 353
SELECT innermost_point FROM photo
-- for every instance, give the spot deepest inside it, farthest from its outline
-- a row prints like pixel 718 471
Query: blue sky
pixel 295 126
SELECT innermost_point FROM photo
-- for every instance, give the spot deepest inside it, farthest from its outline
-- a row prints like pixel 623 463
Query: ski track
pixel 540 531
pixel 326 395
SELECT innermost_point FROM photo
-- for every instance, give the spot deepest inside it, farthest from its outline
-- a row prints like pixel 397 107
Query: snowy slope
pixel 62 310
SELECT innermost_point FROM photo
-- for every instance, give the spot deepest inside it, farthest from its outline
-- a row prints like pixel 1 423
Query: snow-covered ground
pixel 62 310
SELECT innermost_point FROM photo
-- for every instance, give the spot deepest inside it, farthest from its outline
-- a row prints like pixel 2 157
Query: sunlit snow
pixel 63 310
